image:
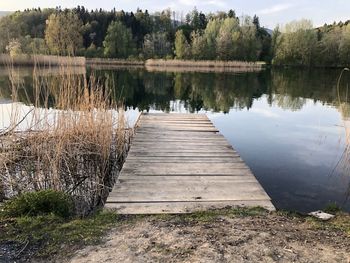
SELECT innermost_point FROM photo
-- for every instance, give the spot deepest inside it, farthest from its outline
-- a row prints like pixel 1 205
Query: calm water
pixel 288 125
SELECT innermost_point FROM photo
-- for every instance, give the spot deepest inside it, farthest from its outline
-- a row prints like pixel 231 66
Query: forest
pixel 196 36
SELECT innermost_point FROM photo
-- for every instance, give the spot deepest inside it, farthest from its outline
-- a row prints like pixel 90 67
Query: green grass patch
pixel 47 235
pixel 341 222
pixel 39 203
pixel 212 215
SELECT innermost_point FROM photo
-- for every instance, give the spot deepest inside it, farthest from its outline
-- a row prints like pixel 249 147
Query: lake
pixel 289 125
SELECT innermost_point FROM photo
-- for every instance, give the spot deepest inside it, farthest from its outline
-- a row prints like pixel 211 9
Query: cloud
pixel 265 113
pixel 274 9
pixel 216 3
pixel 188 2
pixel 192 3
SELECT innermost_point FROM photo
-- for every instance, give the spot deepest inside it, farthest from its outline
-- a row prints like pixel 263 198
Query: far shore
pixel 150 64
pixel 164 65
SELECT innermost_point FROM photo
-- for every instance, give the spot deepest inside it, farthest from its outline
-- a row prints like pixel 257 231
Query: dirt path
pixel 228 238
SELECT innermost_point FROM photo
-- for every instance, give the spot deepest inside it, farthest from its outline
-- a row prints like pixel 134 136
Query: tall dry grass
pixel 42 60
pixel 77 147
pixel 210 64
pixel 114 62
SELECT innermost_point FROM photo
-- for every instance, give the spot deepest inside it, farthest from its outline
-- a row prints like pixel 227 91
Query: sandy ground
pixel 263 238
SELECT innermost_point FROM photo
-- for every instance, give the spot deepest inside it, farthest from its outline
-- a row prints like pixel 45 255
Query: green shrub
pixel 40 203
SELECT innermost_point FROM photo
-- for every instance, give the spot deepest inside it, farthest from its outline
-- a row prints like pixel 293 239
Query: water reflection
pixel 218 92
pixel 288 125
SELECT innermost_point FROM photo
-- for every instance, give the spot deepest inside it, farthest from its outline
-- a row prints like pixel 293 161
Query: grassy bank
pixel 51 237
pixel 40 60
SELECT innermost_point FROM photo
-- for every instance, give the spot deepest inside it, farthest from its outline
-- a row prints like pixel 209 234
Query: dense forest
pixel 197 36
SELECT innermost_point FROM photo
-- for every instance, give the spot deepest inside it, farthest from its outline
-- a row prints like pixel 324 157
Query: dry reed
pixel 42 60
pixel 193 69
pixel 114 62
pixel 203 64
pixel 77 147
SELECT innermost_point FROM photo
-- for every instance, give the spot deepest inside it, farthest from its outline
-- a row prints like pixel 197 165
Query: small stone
pixel 321 215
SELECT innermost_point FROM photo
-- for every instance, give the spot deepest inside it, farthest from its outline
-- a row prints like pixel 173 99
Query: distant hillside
pixel 268 31
pixel 4 13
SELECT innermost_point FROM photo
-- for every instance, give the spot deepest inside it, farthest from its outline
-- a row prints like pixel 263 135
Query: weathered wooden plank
pixel 163 114
pixel 194 146
pixel 178 161
pixel 157 125
pixel 177 122
pixel 177 134
pixel 174 134
pixel 170 149
pixel 183 207
pixel 181 145
pixel 180 134
pixel 232 173
pixel 212 192
pixel 176 179
pixel 180 128
pixel 180 152
pixel 174 168
pixel 174 140
pixel 132 185
pixel 188 143
pixel 170 116
pixel 156 161
pixel 151 154
pixel 189 125
pixel 183 127
pixel 181 156
pixel 179 141
pixel 176 119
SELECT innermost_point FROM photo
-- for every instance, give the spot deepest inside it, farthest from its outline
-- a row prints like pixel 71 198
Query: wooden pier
pixel 180 163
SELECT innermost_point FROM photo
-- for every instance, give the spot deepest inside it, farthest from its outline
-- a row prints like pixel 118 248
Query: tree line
pixel 299 43
pixel 197 36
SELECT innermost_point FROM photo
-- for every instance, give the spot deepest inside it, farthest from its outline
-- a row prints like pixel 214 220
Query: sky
pixel 271 13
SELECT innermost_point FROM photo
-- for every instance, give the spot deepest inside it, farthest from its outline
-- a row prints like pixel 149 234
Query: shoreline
pixel 166 65
pixel 236 233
